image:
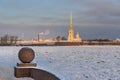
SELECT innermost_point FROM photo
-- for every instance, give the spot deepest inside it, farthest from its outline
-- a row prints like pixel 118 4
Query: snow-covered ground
pixel 68 62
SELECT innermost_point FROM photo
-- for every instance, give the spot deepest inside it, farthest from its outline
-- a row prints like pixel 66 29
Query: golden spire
pixel 71 31
pixel 71 19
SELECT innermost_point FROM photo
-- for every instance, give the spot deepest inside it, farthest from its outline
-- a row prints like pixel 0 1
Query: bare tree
pixel 8 40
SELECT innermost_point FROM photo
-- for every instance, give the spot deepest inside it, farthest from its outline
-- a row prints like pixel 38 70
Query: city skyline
pixel 28 18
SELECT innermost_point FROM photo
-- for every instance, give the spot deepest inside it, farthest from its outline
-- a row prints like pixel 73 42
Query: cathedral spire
pixel 71 19
pixel 71 31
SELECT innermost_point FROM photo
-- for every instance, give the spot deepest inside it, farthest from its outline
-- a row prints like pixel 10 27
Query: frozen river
pixel 68 62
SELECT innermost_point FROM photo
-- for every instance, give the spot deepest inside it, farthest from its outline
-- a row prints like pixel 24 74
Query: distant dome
pixel 26 55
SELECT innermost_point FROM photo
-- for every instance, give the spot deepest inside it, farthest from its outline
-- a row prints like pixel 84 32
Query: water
pixel 68 62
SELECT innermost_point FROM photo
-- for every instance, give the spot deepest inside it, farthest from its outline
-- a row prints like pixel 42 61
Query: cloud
pixel 100 13
pixel 31 31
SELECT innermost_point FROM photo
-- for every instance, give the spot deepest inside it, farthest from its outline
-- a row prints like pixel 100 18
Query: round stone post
pixel 26 56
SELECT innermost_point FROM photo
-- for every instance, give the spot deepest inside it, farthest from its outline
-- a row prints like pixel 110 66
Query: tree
pixel 8 40
pixel 58 38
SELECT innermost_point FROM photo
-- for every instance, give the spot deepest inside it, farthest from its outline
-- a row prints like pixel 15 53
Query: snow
pixel 67 62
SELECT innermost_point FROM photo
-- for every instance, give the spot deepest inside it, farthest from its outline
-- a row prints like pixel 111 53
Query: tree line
pixel 7 40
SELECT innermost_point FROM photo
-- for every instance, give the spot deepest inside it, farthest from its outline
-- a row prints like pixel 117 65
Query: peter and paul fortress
pixel 71 37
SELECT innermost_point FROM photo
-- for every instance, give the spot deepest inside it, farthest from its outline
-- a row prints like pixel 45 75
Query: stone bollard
pixel 26 55
pixel 27 69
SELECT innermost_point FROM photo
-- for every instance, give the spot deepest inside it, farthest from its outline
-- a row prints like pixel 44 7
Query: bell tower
pixel 78 38
pixel 71 31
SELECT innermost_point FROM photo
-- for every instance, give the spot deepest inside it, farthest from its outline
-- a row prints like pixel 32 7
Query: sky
pixel 93 19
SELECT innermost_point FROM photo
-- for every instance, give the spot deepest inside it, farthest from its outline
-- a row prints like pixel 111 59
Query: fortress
pixel 71 32
pixel 72 39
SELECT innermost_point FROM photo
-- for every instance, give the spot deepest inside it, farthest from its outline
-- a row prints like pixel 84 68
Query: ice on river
pixel 67 62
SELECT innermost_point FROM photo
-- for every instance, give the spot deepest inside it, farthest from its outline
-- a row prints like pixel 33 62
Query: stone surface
pixel 26 64
pixel 22 72
pixel 26 55
pixel 36 74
